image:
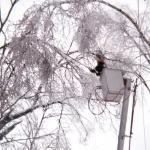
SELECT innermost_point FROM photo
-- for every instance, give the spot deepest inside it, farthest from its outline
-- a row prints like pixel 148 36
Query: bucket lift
pixel 113 89
pixel 112 84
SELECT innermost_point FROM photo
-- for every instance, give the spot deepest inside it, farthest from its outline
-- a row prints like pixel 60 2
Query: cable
pixel 90 107
pixel 97 97
pixel 132 115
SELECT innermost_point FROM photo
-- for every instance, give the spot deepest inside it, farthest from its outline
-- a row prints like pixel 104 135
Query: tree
pixel 44 77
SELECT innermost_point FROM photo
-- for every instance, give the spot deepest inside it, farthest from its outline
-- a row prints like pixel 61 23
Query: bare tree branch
pixel 141 34
pixel 8 117
pixel 9 12
pixel 7 130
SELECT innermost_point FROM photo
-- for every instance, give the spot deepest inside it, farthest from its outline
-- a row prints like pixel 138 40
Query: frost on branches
pixel 45 82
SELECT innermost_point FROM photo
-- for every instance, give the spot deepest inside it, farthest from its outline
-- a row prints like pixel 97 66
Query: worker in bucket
pixel 100 63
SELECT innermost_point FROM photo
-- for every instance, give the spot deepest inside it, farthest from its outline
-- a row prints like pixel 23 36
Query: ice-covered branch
pixel 8 117
pixel 7 130
pixel 8 14
pixel 135 24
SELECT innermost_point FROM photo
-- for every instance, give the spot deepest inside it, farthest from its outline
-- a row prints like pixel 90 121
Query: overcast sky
pixel 107 139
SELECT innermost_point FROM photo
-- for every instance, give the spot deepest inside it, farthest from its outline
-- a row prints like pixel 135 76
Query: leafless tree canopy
pixel 45 58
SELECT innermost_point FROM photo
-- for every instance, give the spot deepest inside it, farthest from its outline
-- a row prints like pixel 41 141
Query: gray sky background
pixel 106 139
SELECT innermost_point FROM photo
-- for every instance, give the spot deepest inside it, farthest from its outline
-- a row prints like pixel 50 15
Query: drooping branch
pixel 138 46
pixel 135 24
pixel 141 34
pixel 67 61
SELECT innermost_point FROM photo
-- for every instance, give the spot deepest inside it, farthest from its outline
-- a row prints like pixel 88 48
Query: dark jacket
pixel 100 66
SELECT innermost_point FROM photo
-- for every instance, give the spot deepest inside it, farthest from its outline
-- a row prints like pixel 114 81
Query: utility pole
pixel 124 114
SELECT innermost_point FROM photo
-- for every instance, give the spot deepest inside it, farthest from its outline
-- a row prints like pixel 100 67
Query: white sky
pixel 99 139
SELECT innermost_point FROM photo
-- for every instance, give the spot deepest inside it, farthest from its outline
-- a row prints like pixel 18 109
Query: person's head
pixel 99 54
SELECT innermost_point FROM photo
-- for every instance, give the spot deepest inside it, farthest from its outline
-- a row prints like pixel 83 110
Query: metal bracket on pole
pixel 124 114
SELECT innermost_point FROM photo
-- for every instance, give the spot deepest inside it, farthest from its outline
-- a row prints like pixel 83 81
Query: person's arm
pixel 93 70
